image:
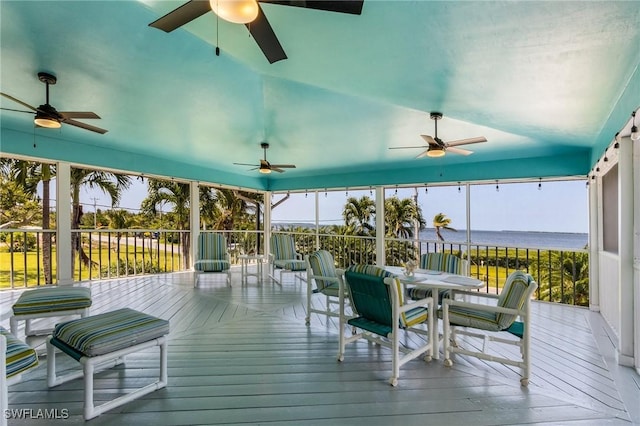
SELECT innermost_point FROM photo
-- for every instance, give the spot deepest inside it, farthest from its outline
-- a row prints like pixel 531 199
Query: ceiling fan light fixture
pixel 435 151
pixel 265 170
pixel 235 11
pixel 42 120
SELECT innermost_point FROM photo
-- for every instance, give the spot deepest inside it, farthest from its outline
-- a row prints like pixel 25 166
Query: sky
pixel 553 207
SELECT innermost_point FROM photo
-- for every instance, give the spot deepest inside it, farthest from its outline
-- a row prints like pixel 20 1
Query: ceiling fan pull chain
pixel 217 32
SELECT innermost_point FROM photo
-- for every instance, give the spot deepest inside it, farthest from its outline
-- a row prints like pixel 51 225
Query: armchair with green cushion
pixel 487 316
pixel 284 257
pixel 380 316
pixel 322 271
pixel 212 256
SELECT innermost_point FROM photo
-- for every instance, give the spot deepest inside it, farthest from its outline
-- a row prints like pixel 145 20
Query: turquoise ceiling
pixel 547 83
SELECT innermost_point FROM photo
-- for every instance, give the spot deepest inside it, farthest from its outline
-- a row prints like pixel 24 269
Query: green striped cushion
pixel 513 296
pixel 212 253
pixel 109 332
pixel 469 317
pixel 20 356
pixel 291 265
pixel 52 299
pixel 332 290
pixel 444 262
pixel 212 265
pixel 417 293
pixel 322 264
pixel 283 247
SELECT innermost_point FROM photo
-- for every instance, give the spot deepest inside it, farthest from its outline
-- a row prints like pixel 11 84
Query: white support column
pixel 317 221
pixel 63 223
pixel 468 201
pixel 267 223
pixel 194 219
pixel 380 249
pixel 594 246
pixel 636 250
pixel 625 252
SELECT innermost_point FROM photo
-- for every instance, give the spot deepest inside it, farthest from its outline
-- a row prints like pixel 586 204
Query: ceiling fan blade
pixel 246 164
pixel 263 34
pixel 85 126
pixel 78 114
pixel 466 141
pixel 18 101
pixel 283 166
pixel 276 169
pixel 423 154
pixel 16 110
pixel 430 140
pixel 353 7
pixel 458 150
pixel 182 15
pixel 406 147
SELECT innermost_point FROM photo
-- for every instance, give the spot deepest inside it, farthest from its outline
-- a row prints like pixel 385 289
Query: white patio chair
pixel 491 316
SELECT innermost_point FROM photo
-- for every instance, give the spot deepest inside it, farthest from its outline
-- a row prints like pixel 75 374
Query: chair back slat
pixel 444 262
pixel 322 264
pixel 283 247
pixel 212 246
pixel 517 289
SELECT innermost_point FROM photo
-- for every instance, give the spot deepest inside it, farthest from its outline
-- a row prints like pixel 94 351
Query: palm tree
pixel 358 215
pixel 228 209
pixel 177 195
pixel 400 216
pixel 440 221
pixel 119 219
pixel 111 184
pixel 28 174
pixel 557 282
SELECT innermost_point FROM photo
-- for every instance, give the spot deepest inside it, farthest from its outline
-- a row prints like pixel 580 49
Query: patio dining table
pixel 436 281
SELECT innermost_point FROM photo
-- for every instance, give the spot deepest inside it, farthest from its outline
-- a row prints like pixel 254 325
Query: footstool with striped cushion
pixel 102 341
pixel 49 302
pixel 16 357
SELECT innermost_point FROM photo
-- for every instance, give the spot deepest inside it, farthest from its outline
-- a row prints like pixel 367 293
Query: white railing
pixel 562 274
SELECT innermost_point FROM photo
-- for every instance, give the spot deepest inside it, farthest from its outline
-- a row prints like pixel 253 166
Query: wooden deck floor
pixel 244 355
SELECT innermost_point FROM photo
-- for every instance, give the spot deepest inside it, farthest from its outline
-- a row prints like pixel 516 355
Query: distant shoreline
pixel 312 225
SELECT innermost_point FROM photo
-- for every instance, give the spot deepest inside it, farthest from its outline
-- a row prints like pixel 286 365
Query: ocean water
pixel 559 240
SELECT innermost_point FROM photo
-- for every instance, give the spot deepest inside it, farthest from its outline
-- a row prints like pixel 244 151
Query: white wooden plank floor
pixel 244 355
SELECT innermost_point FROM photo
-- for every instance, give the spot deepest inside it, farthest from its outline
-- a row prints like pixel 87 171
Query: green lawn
pixel 104 261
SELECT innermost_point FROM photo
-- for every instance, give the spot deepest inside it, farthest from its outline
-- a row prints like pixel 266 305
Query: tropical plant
pixel 17 208
pixel 440 221
pixel 119 219
pixel 28 174
pixel 111 184
pixel 230 209
pixel 557 282
pixel 358 216
pixel 400 217
pixel 176 195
